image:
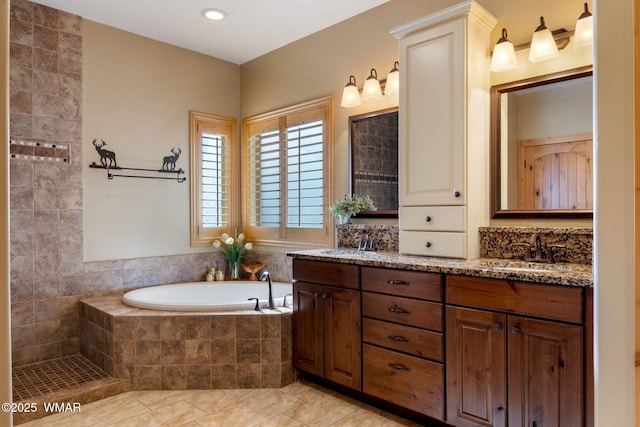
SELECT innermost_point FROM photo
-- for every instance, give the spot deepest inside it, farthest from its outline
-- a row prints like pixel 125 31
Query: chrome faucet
pixel 267 276
pixel 366 243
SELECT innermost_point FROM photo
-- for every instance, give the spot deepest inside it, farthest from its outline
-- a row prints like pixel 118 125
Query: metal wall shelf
pixel 178 173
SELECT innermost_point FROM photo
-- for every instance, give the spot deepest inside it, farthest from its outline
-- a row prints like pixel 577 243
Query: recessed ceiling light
pixel 214 14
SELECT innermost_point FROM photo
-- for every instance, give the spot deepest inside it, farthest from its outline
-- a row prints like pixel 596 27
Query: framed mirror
pixel 373 149
pixel 542 146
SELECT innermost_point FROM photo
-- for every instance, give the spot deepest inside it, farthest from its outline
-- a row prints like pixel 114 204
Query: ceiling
pixel 251 28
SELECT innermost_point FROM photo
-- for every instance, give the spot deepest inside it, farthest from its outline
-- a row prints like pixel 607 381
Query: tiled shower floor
pixel 70 378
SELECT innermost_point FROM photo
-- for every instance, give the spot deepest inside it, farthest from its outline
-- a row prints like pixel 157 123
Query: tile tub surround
pixel 385 235
pixel 502 242
pixel 158 350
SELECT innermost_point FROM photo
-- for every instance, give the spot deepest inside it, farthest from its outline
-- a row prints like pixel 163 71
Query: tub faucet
pixel 267 276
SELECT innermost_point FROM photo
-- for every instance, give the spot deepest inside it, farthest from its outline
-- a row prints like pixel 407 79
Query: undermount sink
pixel 350 252
pixel 524 266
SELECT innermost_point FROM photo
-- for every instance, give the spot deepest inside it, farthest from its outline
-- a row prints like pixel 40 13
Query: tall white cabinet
pixel 444 131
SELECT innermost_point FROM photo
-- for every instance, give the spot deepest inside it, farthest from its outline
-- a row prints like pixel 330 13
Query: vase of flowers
pixel 349 205
pixel 233 250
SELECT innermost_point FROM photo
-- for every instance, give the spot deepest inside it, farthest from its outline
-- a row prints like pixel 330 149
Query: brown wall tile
pixel 45 38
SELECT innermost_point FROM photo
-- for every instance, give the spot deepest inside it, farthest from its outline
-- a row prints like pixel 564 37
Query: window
pixel 287 184
pixel 213 152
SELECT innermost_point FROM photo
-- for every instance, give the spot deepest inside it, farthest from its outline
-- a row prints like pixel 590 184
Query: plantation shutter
pixel 286 188
pixel 212 185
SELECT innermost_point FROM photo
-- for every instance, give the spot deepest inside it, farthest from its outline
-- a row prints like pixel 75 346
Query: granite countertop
pixel 556 274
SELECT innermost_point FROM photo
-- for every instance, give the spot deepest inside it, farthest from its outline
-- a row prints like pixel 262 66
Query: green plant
pixel 350 205
pixel 233 249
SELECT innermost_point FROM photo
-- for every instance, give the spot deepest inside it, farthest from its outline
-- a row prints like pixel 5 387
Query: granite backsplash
pixel 495 242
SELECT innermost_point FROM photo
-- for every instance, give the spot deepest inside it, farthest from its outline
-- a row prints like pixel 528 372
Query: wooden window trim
pixel 283 236
pixel 201 236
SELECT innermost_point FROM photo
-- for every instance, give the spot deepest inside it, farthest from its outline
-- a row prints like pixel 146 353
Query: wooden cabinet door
pixel 342 336
pixel 476 369
pixel 545 373
pixel 308 328
pixel 431 127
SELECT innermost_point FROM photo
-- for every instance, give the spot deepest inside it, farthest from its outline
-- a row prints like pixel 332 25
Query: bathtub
pixel 207 296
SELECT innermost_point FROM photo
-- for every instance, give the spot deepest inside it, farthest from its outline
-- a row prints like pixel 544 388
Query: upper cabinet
pixel 444 131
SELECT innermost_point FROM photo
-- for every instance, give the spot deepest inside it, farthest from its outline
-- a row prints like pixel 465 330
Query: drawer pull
pixel 427 219
pixel 397 282
pixel 396 309
pixel 399 367
pixel 398 338
pixel 427 245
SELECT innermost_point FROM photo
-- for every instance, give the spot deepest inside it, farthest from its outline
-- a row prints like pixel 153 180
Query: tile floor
pixel 298 404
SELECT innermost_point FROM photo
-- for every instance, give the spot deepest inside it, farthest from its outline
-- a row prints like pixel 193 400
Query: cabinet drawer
pixel 405 380
pixel 421 314
pixel 432 218
pixel 548 301
pixel 327 273
pixel 433 243
pixel 402 283
pixel 407 339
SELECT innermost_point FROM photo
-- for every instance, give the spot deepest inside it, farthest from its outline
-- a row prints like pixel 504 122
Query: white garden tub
pixel 207 296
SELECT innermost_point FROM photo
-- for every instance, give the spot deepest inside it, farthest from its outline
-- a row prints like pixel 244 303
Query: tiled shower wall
pixel 48 275
pixel 45 195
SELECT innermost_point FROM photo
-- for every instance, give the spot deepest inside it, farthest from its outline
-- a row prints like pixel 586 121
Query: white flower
pixel 248 246
pixel 216 244
pixel 229 241
pixel 240 237
pixel 224 236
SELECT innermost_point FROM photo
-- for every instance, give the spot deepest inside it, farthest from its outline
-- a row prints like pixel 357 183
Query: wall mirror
pixel 542 146
pixel 374 160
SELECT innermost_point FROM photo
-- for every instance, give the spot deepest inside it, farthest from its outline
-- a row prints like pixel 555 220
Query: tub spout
pixel 266 276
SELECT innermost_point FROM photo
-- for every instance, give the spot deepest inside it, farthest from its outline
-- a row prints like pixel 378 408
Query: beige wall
pixel 5 342
pixel 137 94
pixel 614 219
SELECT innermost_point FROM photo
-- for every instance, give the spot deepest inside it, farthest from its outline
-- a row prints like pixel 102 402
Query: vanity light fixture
pixel 543 45
pixel 371 90
pixel 504 55
pixel 350 94
pixel 214 14
pixel 392 87
pixel 583 35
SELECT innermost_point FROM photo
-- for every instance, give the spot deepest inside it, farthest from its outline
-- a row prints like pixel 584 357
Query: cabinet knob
pixel 500 408
pixel 497 327
pixel 427 218
pixel 515 330
pixel 326 296
pixel 427 245
pixel 456 194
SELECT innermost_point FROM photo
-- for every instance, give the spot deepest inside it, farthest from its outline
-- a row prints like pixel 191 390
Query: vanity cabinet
pixel 402 334
pixel 444 131
pixel 326 321
pixel 505 367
